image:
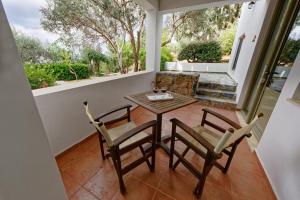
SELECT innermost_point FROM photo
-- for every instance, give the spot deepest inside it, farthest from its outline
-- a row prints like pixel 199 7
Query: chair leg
pixel 147 161
pixel 209 163
pixel 117 163
pixel 101 146
pixel 229 158
pixel 183 154
pixel 153 149
pixel 172 145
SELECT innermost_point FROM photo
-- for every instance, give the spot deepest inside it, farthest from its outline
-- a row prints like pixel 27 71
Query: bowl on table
pixel 163 90
pixel 155 90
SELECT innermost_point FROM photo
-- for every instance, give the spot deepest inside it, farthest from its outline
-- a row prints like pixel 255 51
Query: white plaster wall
pixel 250 24
pixel 28 170
pixel 279 148
pixel 197 67
pixel 63 114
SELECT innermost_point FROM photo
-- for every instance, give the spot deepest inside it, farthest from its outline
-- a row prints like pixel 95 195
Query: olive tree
pixel 110 20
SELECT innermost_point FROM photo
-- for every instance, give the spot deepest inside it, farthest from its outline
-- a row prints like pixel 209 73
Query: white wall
pixel 197 67
pixel 279 148
pixel 250 24
pixel 28 170
pixel 62 110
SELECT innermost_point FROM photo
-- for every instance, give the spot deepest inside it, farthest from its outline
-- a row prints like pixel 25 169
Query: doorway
pixel 275 65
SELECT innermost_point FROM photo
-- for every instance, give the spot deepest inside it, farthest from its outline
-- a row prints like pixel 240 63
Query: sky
pixel 24 16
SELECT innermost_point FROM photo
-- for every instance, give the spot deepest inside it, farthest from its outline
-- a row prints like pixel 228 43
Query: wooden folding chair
pixel 124 138
pixel 210 145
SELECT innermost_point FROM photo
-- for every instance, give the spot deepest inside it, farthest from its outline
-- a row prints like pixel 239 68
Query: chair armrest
pixel 195 135
pixel 135 131
pixel 222 117
pixel 128 106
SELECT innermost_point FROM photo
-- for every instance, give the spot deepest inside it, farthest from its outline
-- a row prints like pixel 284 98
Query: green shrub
pixel 226 40
pixel 38 78
pixel 289 52
pixel 208 52
pixel 165 57
pixel 63 71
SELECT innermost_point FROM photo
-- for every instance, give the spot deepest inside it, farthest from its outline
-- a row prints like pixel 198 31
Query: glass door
pixel 275 80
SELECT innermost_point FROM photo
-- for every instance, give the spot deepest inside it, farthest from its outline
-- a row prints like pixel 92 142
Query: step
pixel 223 94
pixel 217 102
pixel 217 86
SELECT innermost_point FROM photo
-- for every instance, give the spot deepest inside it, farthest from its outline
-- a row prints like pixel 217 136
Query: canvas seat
pixel 124 138
pixel 118 131
pixel 210 145
pixel 212 137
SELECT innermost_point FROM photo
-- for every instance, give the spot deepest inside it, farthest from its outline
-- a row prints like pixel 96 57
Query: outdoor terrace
pixel 87 177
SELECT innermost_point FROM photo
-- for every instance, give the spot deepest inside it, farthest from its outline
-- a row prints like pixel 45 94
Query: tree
pixel 30 49
pixel 95 58
pixel 289 52
pixel 201 52
pixel 110 20
pixel 226 39
pixel 204 24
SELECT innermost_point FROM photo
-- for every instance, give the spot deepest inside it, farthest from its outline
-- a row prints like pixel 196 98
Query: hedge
pixel 166 56
pixel 208 52
pixel 63 71
pixel 45 75
pixel 38 78
pixel 289 52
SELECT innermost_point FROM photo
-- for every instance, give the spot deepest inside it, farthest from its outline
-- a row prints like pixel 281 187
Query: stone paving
pixel 217 78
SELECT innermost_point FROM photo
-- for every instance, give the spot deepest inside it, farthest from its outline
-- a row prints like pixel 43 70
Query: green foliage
pixel 226 40
pixel 98 21
pixel 95 59
pixel 290 51
pixel 38 78
pixel 30 49
pixel 143 58
pixel 55 53
pixel 62 71
pixel 165 57
pixel 127 57
pixel 201 52
pixel 203 25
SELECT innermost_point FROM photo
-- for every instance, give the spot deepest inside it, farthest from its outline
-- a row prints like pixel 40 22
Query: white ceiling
pixel 167 6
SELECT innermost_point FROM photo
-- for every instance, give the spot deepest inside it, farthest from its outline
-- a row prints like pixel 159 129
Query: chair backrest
pixel 231 137
pixel 98 125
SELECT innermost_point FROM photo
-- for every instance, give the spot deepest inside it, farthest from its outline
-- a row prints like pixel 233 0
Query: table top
pixel 160 107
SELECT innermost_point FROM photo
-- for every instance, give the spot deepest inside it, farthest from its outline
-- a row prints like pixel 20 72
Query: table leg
pixel 160 140
pixel 158 127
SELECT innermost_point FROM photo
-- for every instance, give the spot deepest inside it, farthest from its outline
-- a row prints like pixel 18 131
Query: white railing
pixel 197 67
pixel 61 107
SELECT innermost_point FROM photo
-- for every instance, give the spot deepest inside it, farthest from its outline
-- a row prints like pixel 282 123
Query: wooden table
pixel 159 108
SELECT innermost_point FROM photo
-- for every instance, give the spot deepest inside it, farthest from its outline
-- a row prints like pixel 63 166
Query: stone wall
pixel 179 82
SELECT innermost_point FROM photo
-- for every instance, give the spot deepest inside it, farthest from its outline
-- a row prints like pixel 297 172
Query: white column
pixel 154 23
pixel 27 168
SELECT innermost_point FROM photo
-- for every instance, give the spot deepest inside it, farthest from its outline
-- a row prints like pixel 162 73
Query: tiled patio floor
pixel 87 177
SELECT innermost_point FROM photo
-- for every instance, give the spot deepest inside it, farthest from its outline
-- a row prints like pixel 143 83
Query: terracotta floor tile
pixel 71 185
pixel 104 184
pixel 178 185
pixel 84 168
pixel 135 190
pixel 82 194
pixel 212 191
pixel 87 177
pixel 160 196
pixel 153 179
